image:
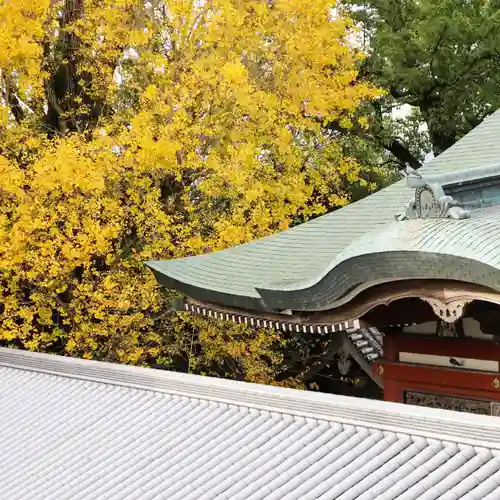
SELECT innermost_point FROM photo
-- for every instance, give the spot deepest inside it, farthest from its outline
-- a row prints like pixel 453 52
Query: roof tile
pixel 303 252
pixel 77 429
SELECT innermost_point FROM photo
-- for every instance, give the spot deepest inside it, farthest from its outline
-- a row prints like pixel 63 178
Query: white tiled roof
pixel 74 429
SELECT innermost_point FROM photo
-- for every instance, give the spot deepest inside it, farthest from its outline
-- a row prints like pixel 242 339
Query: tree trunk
pixel 66 82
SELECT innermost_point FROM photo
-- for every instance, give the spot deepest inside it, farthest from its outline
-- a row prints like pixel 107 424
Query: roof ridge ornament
pixel 430 202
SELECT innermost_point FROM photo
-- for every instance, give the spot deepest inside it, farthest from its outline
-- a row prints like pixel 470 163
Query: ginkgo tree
pixel 135 130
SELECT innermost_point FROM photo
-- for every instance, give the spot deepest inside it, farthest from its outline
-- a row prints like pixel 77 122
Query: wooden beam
pixel 391 346
pixel 284 322
pixel 430 377
pixel 452 347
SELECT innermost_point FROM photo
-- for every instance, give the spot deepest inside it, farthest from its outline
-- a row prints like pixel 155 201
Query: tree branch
pixel 14 104
pixel 393 145
pixel 311 364
pixel 402 153
pixel 434 52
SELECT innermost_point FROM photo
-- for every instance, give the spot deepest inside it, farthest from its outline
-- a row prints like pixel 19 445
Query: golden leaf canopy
pixel 135 130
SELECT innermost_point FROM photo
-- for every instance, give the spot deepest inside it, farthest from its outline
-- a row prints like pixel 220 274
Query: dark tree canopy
pixel 441 57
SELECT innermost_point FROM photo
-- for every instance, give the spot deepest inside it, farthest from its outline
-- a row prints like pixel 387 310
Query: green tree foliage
pixel 441 57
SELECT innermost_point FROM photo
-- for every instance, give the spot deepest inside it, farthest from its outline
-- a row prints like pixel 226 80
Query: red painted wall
pixel 461 348
pixel 401 377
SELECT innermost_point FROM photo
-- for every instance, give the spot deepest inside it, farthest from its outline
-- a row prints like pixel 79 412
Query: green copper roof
pixel 461 250
pixel 299 257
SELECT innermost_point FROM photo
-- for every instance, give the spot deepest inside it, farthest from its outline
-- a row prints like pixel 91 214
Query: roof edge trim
pixel 463 176
pixel 476 430
pixel 389 265
pixel 277 322
pixel 203 294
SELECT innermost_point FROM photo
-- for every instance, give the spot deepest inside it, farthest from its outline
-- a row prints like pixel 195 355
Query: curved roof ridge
pixel 473 241
pixel 302 253
pixel 478 430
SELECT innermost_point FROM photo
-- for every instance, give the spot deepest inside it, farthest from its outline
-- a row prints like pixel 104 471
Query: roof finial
pixel 411 172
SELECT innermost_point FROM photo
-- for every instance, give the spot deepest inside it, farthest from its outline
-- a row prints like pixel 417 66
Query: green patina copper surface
pixel 315 263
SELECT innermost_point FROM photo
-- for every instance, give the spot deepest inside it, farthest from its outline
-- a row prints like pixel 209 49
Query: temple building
pixel 408 278
pixel 407 282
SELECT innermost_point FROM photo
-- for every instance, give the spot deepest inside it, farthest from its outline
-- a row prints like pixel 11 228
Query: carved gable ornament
pixel 430 202
pixel 448 311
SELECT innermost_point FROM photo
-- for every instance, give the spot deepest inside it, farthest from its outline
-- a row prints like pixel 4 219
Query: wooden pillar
pixel 392 391
pixel 391 348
